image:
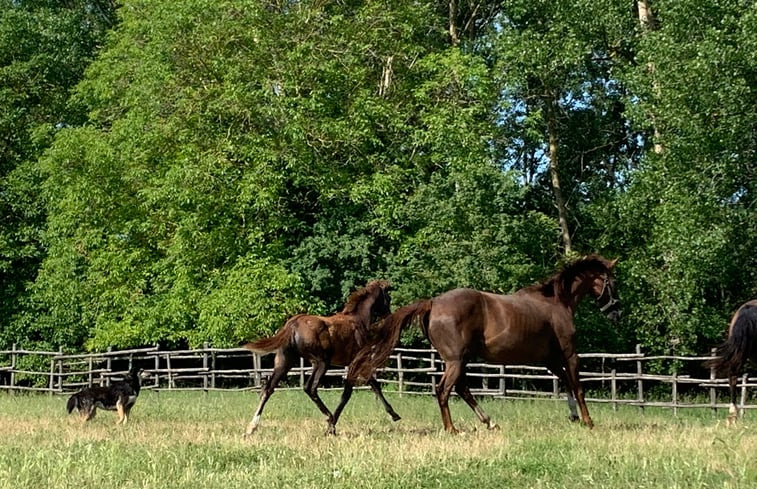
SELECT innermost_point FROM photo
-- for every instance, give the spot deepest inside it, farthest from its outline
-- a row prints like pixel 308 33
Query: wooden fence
pixel 617 379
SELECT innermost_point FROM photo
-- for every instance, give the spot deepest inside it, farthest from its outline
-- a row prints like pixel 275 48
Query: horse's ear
pixel 612 264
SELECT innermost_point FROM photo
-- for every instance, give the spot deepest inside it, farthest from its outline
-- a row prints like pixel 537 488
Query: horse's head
pixel 370 303
pixel 603 290
pixel 382 301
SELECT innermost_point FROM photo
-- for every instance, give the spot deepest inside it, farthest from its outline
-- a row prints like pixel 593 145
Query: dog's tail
pixel 386 335
pixel 734 352
pixel 282 337
pixel 73 403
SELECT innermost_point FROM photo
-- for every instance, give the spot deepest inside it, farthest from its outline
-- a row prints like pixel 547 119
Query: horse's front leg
pixel 559 371
pixel 578 391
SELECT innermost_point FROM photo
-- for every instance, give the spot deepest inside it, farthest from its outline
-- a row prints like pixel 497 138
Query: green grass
pixel 194 440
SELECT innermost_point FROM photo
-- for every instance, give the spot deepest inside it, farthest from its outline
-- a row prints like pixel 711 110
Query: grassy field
pixel 193 440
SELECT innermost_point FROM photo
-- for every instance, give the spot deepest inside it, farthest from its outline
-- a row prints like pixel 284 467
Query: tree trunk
pixel 562 212
pixel 649 23
pixel 453 34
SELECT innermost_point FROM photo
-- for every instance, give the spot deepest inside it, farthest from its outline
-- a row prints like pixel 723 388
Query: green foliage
pixel 222 165
pixel 690 211
pixel 44 48
pixel 250 300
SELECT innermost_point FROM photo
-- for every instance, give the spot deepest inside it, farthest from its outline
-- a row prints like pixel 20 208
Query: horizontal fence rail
pixel 614 378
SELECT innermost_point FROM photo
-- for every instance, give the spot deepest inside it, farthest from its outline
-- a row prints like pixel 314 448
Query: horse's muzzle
pixel 612 309
pixel 615 314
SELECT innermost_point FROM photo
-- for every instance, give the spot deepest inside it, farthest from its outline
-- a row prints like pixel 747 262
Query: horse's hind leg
pixel 462 389
pixel 733 410
pixel 346 394
pixel 452 371
pixel 311 388
pixel 374 383
pixel 282 364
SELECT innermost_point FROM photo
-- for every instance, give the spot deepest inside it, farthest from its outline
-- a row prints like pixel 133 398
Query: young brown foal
pixel 325 341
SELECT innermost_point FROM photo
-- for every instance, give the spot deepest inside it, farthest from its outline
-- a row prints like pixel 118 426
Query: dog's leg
pixel 87 410
pixel 121 412
pixel 127 410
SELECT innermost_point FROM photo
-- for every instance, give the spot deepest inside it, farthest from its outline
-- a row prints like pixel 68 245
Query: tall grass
pixel 194 440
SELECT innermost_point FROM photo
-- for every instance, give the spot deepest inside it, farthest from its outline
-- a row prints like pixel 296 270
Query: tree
pixel 45 47
pixel 270 145
pixel 688 209
pixel 557 61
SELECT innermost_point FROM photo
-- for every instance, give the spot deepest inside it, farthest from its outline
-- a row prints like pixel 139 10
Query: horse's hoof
pixel 331 430
pixel 492 425
pixel 396 417
pixel 573 418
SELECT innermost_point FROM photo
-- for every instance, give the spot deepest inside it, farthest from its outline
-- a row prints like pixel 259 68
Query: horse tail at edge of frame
pixel 732 354
pixel 386 335
pixel 268 345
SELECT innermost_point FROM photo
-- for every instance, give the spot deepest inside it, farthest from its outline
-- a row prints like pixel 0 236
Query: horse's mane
pixel 560 282
pixel 357 297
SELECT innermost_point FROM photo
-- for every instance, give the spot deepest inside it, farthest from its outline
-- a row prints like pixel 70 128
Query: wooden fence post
pixel 52 375
pixel 168 368
pixel 400 377
pixel 640 373
pixel 13 369
pixel 257 367
pixel 744 380
pixel 108 366
pixel 60 369
pixel 205 367
pixel 156 367
pixel 433 370
pixel 91 364
pixel 614 388
pixel 502 388
pixel 302 373
pixel 713 394
pixel 675 392
pixel 213 369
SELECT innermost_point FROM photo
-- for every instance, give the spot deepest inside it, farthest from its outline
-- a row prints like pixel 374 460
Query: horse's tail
pixel 73 402
pixel 734 352
pixel 268 345
pixel 386 334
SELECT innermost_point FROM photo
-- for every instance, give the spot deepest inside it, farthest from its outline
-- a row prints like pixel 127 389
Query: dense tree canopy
pixel 208 168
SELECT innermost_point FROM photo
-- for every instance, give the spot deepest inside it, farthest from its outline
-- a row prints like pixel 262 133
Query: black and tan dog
pixel 118 396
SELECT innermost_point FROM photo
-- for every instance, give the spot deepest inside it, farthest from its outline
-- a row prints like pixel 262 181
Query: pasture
pixel 194 440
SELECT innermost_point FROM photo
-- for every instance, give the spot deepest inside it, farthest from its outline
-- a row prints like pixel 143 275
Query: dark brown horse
pixel 532 326
pixel 325 341
pixel 740 347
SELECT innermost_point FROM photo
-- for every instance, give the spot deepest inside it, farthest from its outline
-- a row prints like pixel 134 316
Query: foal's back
pixel 333 337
